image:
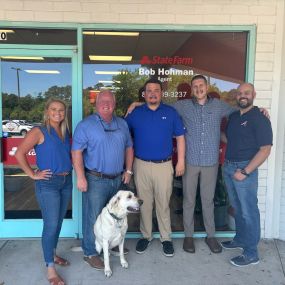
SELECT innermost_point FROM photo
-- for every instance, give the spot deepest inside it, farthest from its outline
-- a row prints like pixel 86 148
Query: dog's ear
pixel 116 201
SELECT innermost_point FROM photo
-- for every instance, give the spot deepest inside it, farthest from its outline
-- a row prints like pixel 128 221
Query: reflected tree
pixel 126 88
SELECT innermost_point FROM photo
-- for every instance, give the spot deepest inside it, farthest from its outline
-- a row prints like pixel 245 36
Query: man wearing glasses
pixel 101 147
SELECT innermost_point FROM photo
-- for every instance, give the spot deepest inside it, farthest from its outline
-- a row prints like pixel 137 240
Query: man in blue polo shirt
pixel 153 125
pixel 249 141
pixel 101 146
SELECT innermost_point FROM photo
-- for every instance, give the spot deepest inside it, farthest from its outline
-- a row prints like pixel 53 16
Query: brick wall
pixel 264 14
pixel 282 123
pixel 282 209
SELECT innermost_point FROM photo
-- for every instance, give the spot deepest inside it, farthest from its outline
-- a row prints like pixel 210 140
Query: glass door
pixel 28 78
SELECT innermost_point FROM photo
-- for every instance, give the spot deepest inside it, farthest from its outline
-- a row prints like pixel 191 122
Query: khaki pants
pixel 208 178
pixel 154 184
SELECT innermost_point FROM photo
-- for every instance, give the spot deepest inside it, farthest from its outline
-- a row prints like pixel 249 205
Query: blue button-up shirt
pixel 202 124
pixel 103 144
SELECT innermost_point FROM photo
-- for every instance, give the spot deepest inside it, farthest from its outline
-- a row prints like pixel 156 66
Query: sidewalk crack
pixel 283 269
pixel 3 245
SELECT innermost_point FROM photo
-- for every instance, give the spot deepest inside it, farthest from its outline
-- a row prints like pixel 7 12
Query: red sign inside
pixel 10 146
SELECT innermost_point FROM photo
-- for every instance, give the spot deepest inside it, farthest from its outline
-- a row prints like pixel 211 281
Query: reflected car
pixel 15 127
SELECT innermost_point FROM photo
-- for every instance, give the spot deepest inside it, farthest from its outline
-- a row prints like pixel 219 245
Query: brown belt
pixel 102 175
pixel 62 173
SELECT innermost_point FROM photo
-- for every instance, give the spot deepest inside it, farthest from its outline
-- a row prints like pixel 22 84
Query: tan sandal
pixel 56 281
pixel 61 261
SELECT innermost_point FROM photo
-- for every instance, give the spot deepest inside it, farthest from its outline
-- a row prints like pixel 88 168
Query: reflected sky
pixel 34 84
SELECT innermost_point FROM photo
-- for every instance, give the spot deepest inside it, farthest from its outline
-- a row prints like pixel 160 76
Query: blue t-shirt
pixel 246 134
pixel 53 153
pixel 153 131
pixel 103 144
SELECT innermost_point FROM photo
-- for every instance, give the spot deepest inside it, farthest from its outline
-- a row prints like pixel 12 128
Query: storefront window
pixel 123 61
pixel 27 84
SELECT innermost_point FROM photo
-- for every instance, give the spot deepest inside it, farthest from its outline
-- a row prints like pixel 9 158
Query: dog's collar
pixel 114 216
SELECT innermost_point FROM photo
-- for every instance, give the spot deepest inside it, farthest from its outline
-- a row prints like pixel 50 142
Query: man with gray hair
pixel 101 147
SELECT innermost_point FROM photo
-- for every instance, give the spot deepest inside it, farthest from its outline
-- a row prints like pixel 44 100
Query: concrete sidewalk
pixel 21 264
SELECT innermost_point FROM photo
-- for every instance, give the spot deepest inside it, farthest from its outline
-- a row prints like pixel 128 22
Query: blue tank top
pixel 53 153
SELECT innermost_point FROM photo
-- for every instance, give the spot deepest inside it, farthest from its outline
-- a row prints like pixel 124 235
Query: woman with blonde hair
pixel 53 181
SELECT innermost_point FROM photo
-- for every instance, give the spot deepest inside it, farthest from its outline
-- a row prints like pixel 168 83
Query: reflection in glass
pixel 26 86
pixel 173 58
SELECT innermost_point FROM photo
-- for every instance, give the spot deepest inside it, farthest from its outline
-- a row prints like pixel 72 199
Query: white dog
pixel 112 224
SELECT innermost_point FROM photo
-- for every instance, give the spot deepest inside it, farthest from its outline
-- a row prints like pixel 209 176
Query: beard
pixel 244 103
pixel 153 100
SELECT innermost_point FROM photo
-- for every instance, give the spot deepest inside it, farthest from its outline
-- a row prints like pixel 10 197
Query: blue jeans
pixel 98 194
pixel 243 198
pixel 53 196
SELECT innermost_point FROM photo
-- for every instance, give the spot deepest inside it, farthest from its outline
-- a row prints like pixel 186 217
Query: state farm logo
pixel 14 149
pixel 146 60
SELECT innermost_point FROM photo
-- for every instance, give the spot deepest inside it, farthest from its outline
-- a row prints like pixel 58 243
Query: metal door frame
pixel 21 228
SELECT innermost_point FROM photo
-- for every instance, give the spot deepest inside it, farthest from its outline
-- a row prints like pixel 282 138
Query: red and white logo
pixel 10 146
pixel 166 60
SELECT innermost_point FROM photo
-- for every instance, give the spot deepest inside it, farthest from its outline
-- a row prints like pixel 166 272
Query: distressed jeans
pixel 243 198
pixel 53 196
pixel 99 192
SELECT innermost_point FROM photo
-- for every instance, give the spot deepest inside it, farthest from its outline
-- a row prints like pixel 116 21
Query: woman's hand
pixel 42 174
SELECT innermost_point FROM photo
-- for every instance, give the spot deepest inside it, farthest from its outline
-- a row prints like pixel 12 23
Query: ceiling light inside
pixel 109 72
pixel 106 81
pixel 23 57
pixel 7 31
pixel 38 71
pixel 110 58
pixel 120 34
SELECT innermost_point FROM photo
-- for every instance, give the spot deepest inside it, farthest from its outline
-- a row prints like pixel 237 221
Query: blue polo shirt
pixel 246 134
pixel 103 144
pixel 153 131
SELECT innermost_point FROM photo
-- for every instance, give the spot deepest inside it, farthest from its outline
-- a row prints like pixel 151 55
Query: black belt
pixel 234 161
pixel 156 161
pixel 102 175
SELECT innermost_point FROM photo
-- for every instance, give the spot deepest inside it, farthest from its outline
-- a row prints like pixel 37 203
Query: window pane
pixel 26 86
pixel 123 61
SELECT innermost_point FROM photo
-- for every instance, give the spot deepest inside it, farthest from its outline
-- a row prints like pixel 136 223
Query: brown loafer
pixel 95 262
pixel 188 244
pixel 213 244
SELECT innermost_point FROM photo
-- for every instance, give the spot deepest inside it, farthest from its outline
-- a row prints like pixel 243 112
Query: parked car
pixel 18 127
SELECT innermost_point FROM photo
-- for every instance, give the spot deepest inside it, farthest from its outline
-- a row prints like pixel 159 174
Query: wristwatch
pixel 129 172
pixel 243 171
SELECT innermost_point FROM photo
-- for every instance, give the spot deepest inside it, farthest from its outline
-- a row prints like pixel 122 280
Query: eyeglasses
pixel 109 130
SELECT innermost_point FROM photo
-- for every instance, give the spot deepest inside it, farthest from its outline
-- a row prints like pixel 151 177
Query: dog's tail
pixel 76 248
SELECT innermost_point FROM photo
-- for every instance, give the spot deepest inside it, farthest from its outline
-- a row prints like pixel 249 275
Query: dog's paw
pixel 108 273
pixel 125 264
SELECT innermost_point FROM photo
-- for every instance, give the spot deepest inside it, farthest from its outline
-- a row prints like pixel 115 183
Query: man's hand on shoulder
pixel 133 106
pixel 264 112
